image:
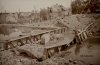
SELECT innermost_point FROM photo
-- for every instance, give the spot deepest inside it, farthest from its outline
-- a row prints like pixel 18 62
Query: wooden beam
pixel 56 49
pixel 27 40
pixel 81 36
pixel 5 46
pixel 59 49
pixel 45 56
pixel 10 44
pixel 85 35
pixel 21 42
pixel 30 39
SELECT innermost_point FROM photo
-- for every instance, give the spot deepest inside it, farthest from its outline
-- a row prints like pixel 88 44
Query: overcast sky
pixel 28 5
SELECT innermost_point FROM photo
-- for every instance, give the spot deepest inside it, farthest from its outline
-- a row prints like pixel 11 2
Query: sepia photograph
pixel 49 32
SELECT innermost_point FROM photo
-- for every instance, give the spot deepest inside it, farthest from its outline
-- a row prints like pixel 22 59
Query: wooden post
pixel 55 31
pixel 59 49
pixel 58 31
pixel 33 39
pixel 21 42
pixel 74 41
pixel 85 35
pixel 78 40
pixel 29 39
pixel 65 29
pixel 56 49
pixel 49 53
pixel 40 36
pixel 15 43
pixel 10 44
pixel 62 30
pixel 5 46
pixel 45 56
pixel 81 37
pixel 63 47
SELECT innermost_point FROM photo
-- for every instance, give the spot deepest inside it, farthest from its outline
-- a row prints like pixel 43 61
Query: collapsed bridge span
pixel 51 46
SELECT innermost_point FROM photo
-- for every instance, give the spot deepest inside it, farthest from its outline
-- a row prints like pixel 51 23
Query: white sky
pixel 28 5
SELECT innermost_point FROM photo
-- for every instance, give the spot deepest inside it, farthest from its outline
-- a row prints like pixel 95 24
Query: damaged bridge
pixel 46 44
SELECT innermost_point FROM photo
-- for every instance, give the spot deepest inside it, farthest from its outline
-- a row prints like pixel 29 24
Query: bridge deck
pixel 68 37
pixel 28 35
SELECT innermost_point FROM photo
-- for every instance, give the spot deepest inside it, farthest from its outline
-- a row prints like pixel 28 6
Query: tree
pixel 84 6
pixel 44 14
pixel 76 6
